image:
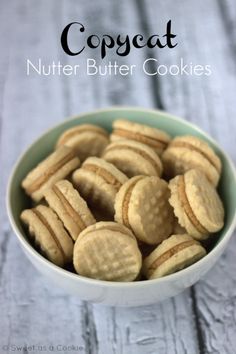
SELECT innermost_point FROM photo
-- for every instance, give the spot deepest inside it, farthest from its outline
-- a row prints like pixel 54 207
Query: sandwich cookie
pixel 107 251
pixel 196 204
pixel 133 158
pixel 49 234
pixel 173 254
pixel 98 182
pixel 86 139
pixel 142 205
pixel 187 152
pixel 72 210
pixel 152 137
pixel 55 167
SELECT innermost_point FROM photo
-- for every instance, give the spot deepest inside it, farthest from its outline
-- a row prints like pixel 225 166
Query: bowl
pixel 117 293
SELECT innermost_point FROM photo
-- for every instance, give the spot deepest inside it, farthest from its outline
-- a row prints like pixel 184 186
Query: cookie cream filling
pixel 101 172
pixel 68 208
pixel 76 131
pixel 126 200
pixel 188 209
pixel 140 152
pixel 44 221
pixel 191 147
pixel 154 143
pixel 171 252
pixel 44 177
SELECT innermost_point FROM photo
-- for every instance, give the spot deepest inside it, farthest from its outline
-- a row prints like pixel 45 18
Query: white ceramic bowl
pixel 117 293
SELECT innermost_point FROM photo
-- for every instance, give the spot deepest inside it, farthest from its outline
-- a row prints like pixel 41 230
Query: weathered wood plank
pixel 4 28
pixel 32 314
pixel 204 38
pixel 202 100
pixel 227 11
pixel 161 328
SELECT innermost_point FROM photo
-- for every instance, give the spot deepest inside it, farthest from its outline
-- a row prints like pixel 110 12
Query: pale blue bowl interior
pixel 45 144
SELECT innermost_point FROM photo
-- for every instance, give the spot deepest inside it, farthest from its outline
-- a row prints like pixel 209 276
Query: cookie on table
pixel 86 139
pixel 142 205
pixel 107 251
pixel 196 204
pixel 55 167
pixel 173 254
pixel 155 138
pixel 98 182
pixel 187 152
pixel 49 234
pixel 133 158
pixel 72 210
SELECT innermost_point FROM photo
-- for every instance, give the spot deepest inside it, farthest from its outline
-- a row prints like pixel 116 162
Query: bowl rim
pixel 96 282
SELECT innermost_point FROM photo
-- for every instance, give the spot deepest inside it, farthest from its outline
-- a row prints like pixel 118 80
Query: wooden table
pixel 32 311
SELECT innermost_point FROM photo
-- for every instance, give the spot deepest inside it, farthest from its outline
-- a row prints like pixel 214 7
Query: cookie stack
pixel 131 206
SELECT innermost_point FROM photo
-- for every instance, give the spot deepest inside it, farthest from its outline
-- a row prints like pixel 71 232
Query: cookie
pixel 187 152
pixel 133 158
pixel 55 167
pixel 173 254
pixel 107 251
pixel 49 234
pixel 142 205
pixel 86 139
pixel 196 204
pixel 152 137
pixel 72 210
pixel 98 182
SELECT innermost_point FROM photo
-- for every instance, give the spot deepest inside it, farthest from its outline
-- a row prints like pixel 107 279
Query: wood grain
pixel 210 103
pixel 199 320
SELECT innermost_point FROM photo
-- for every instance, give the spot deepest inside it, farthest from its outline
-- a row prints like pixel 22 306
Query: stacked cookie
pixel 133 205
